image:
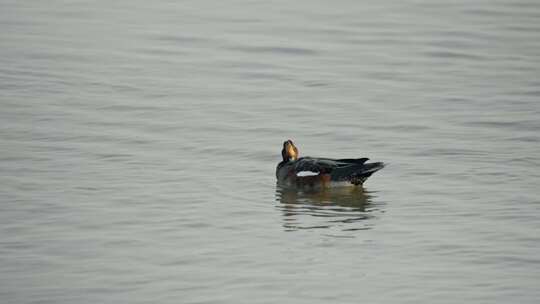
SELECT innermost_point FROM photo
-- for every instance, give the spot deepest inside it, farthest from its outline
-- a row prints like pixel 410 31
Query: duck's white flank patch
pixel 307 173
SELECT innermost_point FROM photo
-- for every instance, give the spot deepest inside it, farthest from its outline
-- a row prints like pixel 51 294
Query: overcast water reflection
pixel 139 141
pixel 342 209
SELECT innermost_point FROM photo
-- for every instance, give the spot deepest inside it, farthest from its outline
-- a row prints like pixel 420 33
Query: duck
pixel 318 173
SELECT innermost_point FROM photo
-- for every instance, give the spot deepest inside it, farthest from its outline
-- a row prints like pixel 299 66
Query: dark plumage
pixel 309 172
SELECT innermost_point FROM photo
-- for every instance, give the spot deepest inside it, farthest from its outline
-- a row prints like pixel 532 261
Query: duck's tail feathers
pixel 356 174
pixel 371 168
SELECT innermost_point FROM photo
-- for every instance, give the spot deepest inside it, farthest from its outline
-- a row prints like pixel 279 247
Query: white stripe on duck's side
pixel 306 173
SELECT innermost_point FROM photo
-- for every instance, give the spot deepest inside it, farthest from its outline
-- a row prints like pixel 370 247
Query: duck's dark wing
pixel 325 165
pixel 345 169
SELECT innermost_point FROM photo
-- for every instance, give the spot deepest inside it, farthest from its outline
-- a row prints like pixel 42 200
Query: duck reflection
pixel 346 208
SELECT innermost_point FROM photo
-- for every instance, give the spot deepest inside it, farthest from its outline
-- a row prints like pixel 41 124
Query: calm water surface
pixel 139 141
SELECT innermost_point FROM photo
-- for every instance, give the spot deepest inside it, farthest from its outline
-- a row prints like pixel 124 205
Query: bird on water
pixel 315 173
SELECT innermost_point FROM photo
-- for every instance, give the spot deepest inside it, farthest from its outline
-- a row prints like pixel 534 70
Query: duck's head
pixel 289 152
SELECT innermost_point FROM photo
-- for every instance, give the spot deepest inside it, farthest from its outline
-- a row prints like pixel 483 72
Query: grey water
pixel 139 139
